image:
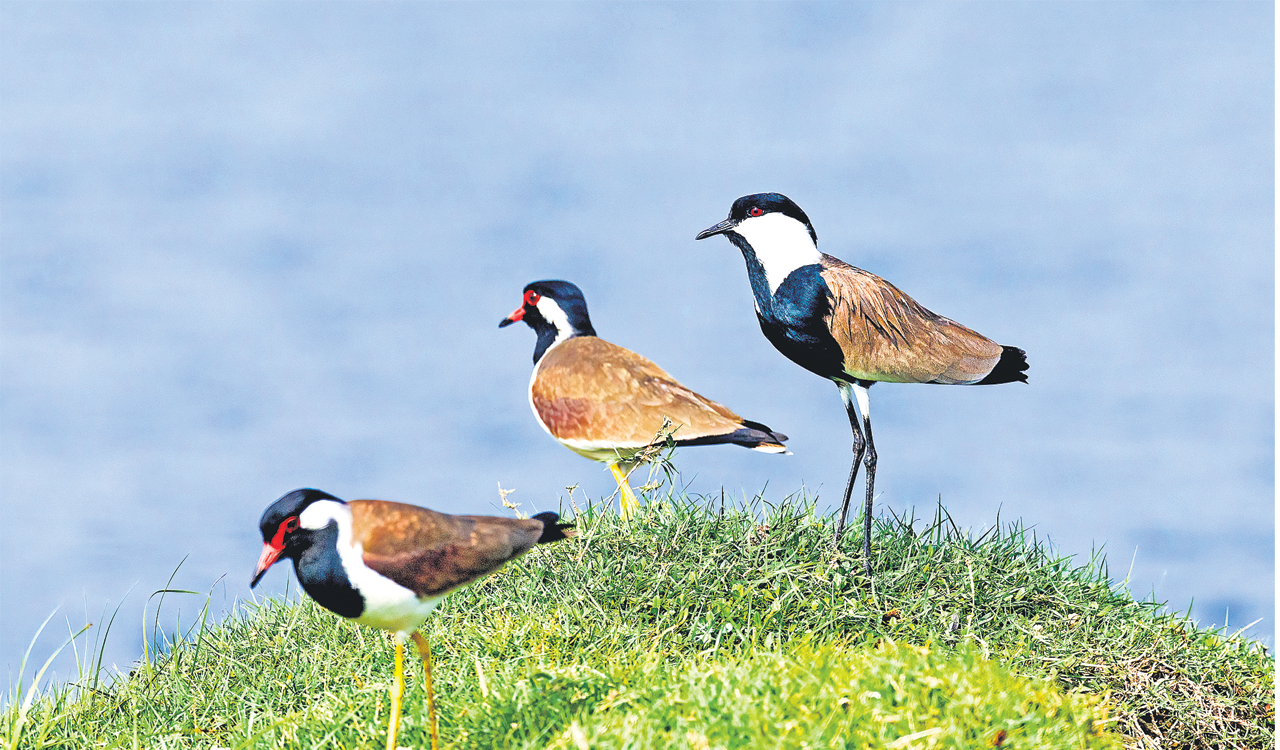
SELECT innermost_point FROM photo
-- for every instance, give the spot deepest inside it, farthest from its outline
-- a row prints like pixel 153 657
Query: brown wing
pixel 888 336
pixel 432 553
pixel 587 389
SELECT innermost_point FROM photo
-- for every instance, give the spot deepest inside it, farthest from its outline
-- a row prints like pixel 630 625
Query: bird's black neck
pixel 550 335
pixel 800 297
pixel 755 273
pixel 794 317
pixel 320 571
pixel 546 337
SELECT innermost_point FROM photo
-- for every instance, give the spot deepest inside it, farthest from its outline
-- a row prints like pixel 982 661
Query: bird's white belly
pixel 604 451
pixel 401 615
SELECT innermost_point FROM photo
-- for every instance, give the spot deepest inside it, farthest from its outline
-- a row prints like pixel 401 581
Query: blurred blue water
pixel 251 247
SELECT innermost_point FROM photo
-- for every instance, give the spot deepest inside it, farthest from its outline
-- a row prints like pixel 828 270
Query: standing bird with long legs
pixel 610 404
pixel 387 565
pixel 851 326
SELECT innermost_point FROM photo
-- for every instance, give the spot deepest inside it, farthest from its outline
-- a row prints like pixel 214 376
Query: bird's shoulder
pixel 591 365
pixel 857 292
pixel 383 527
pixel 846 281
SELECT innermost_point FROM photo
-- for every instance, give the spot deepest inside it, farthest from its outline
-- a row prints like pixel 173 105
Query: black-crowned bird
pixel 610 404
pixel 387 565
pixel 851 326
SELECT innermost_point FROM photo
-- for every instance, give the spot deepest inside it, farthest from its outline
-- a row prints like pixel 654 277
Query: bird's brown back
pixel 589 389
pixel 433 553
pixel 888 336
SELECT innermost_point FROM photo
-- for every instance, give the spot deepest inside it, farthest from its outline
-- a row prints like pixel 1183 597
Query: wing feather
pixel 888 336
pixel 588 389
pixel 432 553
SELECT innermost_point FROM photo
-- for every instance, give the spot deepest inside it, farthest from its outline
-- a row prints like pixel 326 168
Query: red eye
pixel 756 211
pixel 531 297
pixel 291 524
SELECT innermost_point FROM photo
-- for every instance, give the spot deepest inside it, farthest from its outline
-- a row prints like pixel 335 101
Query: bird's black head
pixel 757 205
pixel 555 310
pixel 282 532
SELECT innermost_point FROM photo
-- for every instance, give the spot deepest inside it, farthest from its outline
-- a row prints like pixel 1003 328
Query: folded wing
pixel 590 391
pixel 432 553
pixel 888 336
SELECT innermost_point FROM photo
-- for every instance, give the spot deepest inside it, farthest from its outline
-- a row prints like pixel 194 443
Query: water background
pixel 248 247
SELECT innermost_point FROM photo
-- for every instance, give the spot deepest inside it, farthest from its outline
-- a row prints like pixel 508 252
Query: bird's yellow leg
pixel 397 695
pixel 627 503
pixel 425 652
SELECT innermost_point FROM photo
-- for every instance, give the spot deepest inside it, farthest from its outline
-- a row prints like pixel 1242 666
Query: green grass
pixel 704 626
pixel 800 695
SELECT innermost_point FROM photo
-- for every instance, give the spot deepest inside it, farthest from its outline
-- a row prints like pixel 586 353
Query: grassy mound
pixel 702 626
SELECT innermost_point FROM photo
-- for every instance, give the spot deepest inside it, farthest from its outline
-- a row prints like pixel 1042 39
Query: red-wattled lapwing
pixel 387 565
pixel 851 326
pixel 608 403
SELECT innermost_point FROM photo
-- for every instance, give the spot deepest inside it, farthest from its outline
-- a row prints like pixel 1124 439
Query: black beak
pixel 513 317
pixel 725 226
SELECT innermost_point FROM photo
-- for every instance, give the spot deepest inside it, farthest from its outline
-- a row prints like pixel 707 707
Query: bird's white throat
pixel 781 244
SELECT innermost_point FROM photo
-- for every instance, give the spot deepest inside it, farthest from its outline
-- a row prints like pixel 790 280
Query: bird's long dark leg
pixel 859 445
pixel 864 406
pixel 425 652
pixel 397 695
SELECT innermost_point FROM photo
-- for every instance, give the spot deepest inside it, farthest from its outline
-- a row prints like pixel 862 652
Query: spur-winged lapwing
pixel 851 326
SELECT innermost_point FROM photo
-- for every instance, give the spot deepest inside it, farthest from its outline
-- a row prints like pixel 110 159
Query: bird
pixel 610 404
pixel 851 326
pixel 387 565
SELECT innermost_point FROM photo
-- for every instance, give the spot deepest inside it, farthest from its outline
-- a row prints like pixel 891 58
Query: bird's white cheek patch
pixel 781 244
pixel 556 317
pixel 319 514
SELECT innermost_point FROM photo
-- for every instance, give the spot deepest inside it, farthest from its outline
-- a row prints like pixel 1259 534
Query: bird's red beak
pixel 513 317
pixel 268 558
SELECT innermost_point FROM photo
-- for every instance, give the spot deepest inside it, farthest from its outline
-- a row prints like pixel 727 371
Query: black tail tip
pixel 552 531
pixel 1011 368
pixel 768 433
